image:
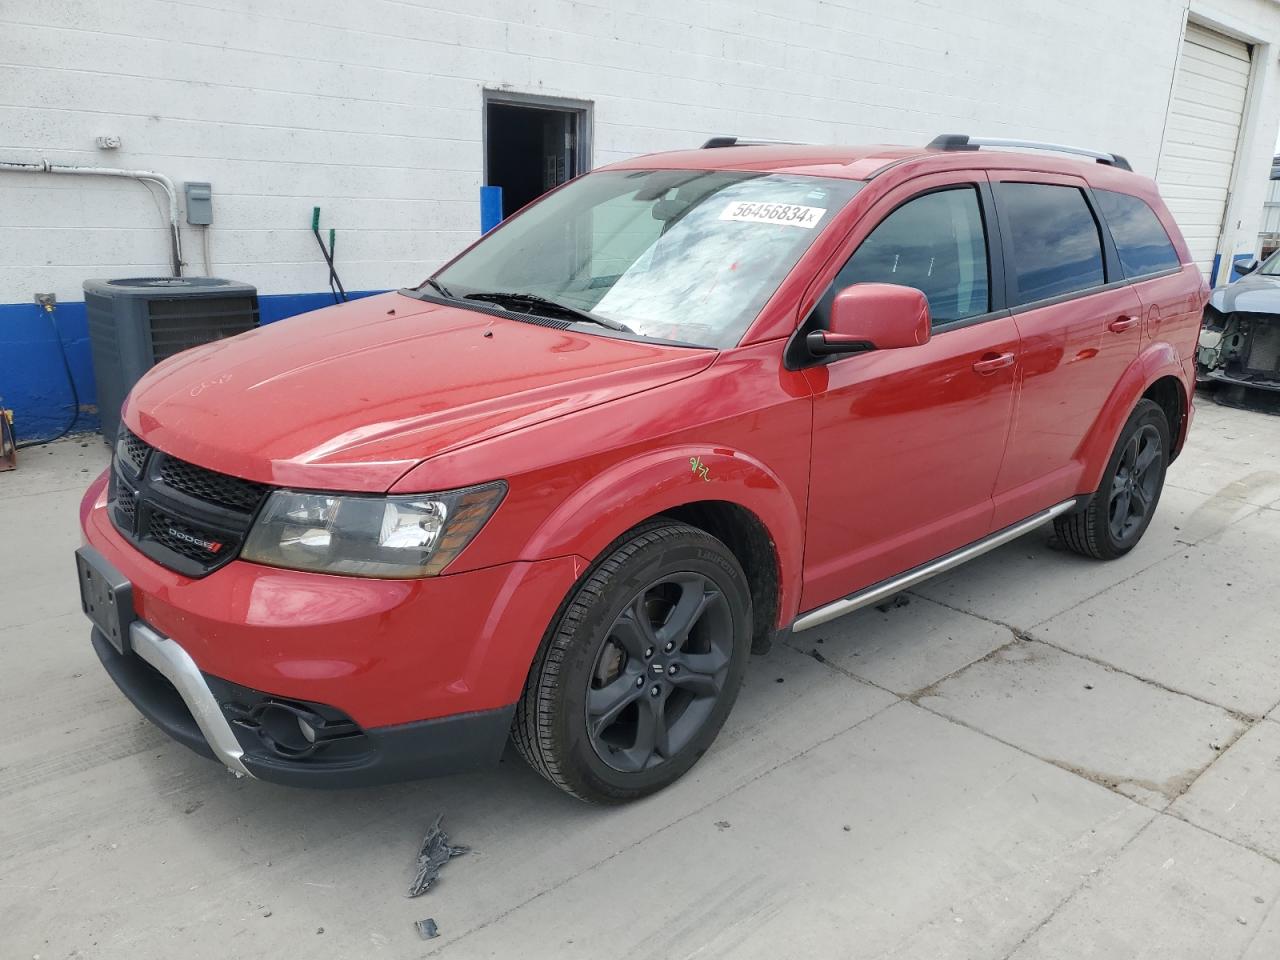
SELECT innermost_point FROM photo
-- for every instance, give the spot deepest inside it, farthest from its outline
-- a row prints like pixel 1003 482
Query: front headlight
pixel 399 537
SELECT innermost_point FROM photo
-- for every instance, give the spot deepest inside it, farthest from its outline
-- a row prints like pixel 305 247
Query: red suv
pixel 561 490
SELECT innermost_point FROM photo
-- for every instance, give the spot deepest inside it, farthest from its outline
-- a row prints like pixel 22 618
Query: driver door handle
pixel 1121 323
pixel 991 362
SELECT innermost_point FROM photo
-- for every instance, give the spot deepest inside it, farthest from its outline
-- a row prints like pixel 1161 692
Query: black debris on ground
pixel 434 853
pixel 722 824
pixel 897 600
pixel 817 656
pixel 427 929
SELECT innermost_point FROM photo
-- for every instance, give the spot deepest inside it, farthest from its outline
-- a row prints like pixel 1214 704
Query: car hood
pixel 1251 294
pixel 352 396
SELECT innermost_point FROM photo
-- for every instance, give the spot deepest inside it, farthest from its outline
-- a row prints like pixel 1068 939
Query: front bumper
pixel 424 673
pixel 203 713
pixel 385 652
pixel 1241 379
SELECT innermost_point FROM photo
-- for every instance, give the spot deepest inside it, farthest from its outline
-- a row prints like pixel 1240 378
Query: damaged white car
pixel 1240 341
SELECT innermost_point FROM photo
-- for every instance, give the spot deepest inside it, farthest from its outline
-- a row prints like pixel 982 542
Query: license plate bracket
pixel 106 596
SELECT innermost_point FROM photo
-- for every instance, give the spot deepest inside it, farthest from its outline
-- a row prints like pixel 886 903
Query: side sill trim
pixel 179 669
pixel 887 588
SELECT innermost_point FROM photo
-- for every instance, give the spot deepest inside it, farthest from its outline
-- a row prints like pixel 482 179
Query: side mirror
pixel 873 316
pixel 1245 266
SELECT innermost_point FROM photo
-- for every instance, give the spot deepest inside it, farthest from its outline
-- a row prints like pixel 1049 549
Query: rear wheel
pixel 639 672
pixel 1122 507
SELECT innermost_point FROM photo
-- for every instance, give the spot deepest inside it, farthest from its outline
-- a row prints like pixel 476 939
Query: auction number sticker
pixel 787 214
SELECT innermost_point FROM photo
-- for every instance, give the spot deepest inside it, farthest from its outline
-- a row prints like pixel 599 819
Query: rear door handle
pixel 991 362
pixel 1121 324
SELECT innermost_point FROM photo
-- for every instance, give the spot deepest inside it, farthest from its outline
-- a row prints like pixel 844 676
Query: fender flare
pixel 1157 360
pixel 633 490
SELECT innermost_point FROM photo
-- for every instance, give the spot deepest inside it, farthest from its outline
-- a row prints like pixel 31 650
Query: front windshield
pixel 1271 266
pixel 684 255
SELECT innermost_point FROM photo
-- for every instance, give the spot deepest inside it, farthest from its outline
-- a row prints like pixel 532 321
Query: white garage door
pixel 1200 138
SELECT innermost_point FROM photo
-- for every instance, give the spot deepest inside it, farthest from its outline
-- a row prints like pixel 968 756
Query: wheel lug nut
pixel 669 647
pixel 648 652
pixel 654 690
pixel 672 669
pixel 639 681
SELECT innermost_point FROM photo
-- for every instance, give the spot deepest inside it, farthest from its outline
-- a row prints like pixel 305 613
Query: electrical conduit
pixel 175 238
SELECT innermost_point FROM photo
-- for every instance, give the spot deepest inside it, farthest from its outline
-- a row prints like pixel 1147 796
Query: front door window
pixel 934 243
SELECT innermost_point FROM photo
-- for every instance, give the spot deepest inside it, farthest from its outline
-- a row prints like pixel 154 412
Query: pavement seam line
pixel 911 696
pixel 837 668
pixel 1021 637
pixel 1187 544
pixel 645 839
pixel 927 689
pixel 1084 882
pixel 1179 544
pixel 1235 714
pixel 1175 815
pixel 1080 772
pixel 968 613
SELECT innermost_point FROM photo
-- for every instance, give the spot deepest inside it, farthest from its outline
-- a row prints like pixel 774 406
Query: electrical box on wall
pixel 199 203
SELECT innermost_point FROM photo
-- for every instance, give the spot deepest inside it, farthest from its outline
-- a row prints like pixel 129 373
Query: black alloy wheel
pixel 1118 513
pixel 641 666
pixel 1136 484
pixel 660 671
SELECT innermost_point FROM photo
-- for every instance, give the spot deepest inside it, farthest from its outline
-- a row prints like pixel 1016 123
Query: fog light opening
pixel 286 730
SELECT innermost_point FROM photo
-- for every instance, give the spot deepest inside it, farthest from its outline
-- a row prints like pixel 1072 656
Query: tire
pixel 1121 509
pixel 609 713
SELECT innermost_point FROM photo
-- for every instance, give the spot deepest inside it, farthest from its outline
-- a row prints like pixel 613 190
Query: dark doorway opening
pixel 532 145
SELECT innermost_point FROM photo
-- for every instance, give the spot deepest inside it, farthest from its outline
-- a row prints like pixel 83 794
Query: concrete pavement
pixel 1038 756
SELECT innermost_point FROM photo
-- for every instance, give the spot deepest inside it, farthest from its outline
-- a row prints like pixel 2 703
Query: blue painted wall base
pixel 33 382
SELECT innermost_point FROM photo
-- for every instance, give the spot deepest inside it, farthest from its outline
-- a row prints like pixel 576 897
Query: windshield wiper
pixel 440 288
pixel 528 300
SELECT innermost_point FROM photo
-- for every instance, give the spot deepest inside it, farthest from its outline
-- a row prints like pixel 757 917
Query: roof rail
pixel 715 142
pixel 960 141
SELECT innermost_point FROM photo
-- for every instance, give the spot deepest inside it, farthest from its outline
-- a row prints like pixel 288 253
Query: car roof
pixel 866 162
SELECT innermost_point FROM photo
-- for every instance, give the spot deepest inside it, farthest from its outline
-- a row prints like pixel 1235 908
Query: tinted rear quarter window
pixel 1053 238
pixel 1141 241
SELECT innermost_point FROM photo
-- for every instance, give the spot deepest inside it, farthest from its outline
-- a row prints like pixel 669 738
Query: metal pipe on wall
pixel 175 237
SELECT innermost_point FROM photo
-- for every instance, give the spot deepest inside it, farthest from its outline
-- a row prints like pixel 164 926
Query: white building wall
pixel 1270 226
pixel 372 109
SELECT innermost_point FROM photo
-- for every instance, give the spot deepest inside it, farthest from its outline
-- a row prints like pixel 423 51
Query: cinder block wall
pixel 373 110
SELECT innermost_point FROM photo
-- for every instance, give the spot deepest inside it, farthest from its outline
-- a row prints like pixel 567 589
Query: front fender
pixel 1157 360
pixel 659 480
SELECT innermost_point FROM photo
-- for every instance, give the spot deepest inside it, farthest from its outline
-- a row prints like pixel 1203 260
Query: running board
pixel 887 588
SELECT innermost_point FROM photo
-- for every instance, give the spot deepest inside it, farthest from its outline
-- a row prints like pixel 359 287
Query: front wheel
pixel 1122 507
pixel 640 670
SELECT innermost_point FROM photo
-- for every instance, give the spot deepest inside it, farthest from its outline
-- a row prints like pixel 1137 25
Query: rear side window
pixel 1053 239
pixel 935 243
pixel 1141 241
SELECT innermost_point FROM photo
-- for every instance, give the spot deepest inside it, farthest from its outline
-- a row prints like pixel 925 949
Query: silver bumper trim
pixel 179 669
pixel 877 592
